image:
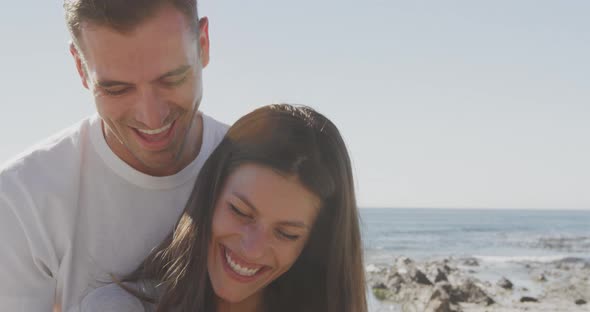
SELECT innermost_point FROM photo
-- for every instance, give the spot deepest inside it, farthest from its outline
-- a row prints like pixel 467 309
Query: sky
pixel 443 104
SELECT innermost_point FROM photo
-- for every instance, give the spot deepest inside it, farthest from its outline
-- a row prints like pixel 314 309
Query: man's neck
pixel 192 143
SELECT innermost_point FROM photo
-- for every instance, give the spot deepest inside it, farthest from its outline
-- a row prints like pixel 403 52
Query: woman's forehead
pixel 272 194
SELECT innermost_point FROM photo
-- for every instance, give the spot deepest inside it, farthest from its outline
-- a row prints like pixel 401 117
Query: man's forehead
pixel 114 55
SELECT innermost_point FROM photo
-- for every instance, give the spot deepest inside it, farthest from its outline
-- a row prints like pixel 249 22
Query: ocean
pixel 494 235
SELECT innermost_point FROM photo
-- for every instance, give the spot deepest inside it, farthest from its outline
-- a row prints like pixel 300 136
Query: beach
pixel 435 260
pixel 472 284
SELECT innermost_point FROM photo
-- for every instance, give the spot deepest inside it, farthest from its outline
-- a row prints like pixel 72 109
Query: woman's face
pixel 261 223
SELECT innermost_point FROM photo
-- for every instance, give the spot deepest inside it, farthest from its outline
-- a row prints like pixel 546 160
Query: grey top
pixel 113 298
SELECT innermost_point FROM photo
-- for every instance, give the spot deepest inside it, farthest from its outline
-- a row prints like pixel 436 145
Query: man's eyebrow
pixel 111 83
pixel 178 71
pixel 298 224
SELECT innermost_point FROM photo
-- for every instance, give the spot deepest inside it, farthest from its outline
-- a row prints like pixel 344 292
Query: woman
pixel 271 225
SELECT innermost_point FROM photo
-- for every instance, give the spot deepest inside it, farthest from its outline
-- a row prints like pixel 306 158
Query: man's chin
pixel 159 165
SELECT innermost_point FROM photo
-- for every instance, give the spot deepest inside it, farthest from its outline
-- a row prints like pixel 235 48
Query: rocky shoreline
pixel 466 285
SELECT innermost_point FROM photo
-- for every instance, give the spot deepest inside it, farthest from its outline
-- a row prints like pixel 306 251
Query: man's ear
pixel 204 41
pixel 79 64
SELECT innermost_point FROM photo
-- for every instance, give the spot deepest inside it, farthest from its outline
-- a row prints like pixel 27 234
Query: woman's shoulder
pixel 112 297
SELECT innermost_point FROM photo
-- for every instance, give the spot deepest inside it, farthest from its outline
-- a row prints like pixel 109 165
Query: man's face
pixel 147 86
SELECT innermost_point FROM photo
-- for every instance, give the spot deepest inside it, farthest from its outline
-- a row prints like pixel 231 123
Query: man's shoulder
pixel 214 127
pixel 51 155
pixel 39 185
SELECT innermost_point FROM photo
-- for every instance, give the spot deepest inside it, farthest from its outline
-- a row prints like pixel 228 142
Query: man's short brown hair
pixel 122 15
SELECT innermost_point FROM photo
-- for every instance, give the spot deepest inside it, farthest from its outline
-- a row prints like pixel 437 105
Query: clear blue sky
pixel 480 104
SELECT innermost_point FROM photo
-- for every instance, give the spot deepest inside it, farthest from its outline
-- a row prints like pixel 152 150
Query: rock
pixel 469 292
pixel 528 299
pixel 471 262
pixel 541 278
pixel 379 286
pixel 381 294
pixel 439 302
pixel 444 287
pixel 413 297
pixel 440 276
pixel 374 279
pixel 562 266
pixel 440 293
pixel 580 302
pixel 417 276
pixel 447 269
pixel 505 283
pixel 404 260
pixel 403 265
pixel 394 282
pixel 387 287
pixel 441 265
pixel 438 305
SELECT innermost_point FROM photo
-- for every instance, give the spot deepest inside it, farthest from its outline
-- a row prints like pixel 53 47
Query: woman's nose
pixel 254 242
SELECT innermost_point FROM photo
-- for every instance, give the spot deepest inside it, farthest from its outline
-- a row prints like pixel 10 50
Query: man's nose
pixel 151 109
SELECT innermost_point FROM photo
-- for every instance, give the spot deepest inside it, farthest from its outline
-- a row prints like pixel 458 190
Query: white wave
pixel 540 259
pixel 371 268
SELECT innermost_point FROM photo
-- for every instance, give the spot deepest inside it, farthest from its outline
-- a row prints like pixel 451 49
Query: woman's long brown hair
pixel 328 276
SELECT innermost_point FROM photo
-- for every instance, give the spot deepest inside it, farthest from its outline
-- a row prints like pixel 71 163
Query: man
pixel 94 199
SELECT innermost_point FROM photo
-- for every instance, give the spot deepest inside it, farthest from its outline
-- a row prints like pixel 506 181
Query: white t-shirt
pixel 72 212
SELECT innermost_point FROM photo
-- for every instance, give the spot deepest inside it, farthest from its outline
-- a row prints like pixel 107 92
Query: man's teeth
pixel 238 269
pixel 155 131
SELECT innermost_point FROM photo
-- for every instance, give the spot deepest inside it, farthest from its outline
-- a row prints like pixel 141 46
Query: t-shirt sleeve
pixel 111 298
pixel 26 278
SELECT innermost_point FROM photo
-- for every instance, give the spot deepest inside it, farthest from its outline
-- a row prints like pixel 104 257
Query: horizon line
pixel 476 208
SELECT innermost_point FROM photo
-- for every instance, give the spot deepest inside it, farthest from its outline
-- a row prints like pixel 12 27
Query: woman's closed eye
pixel 282 234
pixel 238 212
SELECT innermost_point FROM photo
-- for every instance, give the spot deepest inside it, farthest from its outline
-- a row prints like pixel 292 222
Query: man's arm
pixel 26 280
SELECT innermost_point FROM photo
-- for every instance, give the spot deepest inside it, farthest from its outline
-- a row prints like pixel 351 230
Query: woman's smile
pixel 239 269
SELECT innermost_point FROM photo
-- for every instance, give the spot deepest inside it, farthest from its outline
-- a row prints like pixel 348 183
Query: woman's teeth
pixel 238 269
pixel 155 131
